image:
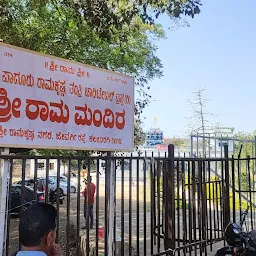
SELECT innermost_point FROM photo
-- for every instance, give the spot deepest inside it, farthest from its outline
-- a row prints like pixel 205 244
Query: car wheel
pixel 61 201
pixel 73 190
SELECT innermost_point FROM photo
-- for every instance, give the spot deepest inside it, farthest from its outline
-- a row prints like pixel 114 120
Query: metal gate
pixel 158 205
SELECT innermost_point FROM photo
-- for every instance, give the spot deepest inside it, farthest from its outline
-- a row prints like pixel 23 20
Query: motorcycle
pixel 240 243
pixel 53 196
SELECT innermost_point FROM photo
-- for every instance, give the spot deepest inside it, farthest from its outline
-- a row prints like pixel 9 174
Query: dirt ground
pixel 14 241
pixel 137 226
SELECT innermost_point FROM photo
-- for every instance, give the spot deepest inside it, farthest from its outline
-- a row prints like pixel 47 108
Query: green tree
pixel 245 147
pixel 108 17
pixel 55 31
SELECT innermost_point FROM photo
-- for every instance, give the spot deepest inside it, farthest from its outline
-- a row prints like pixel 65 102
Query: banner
pixel 48 102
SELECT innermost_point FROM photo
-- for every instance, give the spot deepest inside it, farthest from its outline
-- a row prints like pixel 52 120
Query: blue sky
pixel 217 52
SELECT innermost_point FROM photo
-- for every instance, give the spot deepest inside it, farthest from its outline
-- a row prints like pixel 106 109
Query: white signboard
pixel 48 102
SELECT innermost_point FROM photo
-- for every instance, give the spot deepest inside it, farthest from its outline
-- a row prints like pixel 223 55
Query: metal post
pixel 110 172
pixel 169 241
pixel 191 145
pixel 255 146
pixel 226 189
pixel 4 175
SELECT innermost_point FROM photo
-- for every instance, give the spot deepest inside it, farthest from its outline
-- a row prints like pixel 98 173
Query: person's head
pixel 37 227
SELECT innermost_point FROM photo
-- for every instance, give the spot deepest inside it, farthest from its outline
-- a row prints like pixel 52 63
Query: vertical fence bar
pixel 47 181
pixel 204 215
pixel 154 200
pixel 239 185
pixel 169 241
pixel 107 185
pixel 58 199
pixel 210 190
pixel 23 173
pixel 233 188
pixel 145 206
pixel 178 201
pixel 158 206
pixel 250 188
pixel 226 195
pixel 222 208
pixel 152 196
pixel 190 205
pixel 79 166
pixel 88 208
pixel 7 241
pixel 138 209
pixel 130 205
pixel 184 206
pixel 97 207
pixel 122 208
pixel 164 192
pixel 214 184
pixel 218 188
pixel 194 226
pixel 114 194
pixel 68 208
pixel 35 180
pixel 199 203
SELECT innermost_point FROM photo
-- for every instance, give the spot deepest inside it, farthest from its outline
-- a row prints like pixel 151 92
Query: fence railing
pixel 154 206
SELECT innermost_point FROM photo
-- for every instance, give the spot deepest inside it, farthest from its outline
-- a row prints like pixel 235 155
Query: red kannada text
pixel 45 135
pixel 23 133
pixel 116 80
pixel 108 119
pixel 52 66
pixel 60 113
pixel 8 108
pixel 41 109
pixel 51 85
pixel 18 78
pixel 108 140
pixel 99 94
pixel 123 99
pixel 8 54
pixel 3 131
pixel 75 89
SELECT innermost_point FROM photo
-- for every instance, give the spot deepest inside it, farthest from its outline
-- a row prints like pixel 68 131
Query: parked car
pixel 41 185
pixel 52 185
pixel 28 198
pixel 64 179
pixel 30 183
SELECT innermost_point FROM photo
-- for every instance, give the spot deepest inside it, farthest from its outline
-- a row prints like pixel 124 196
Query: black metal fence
pixel 143 205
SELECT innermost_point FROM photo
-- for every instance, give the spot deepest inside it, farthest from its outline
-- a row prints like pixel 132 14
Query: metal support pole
pixel 110 172
pixel 191 145
pixel 169 241
pixel 226 189
pixel 4 178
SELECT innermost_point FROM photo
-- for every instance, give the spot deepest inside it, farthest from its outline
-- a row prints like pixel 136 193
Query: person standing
pixel 90 196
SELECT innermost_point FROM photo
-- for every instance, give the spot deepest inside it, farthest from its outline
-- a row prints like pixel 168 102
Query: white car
pixel 52 185
pixel 64 179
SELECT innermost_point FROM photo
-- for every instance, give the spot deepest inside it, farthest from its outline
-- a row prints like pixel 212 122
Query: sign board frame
pixel 115 76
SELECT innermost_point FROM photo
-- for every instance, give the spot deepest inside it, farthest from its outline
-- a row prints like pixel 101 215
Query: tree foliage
pixel 108 17
pixel 54 30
